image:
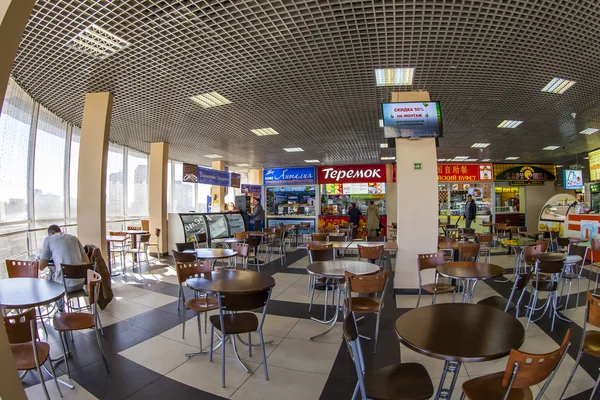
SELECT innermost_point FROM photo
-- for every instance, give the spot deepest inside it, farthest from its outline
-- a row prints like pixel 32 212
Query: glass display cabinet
pixel 183 226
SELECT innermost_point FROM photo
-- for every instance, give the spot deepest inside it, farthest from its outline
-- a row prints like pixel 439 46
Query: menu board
pixel 573 179
pixel 356 188
pixel 594 159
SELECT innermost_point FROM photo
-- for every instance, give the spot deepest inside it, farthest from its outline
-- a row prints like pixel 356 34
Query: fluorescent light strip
pixel 559 166
pixel 551 148
pixel 293 149
pixel 507 123
pixel 486 159
pixel 558 86
pixel 460 158
pixel 471 159
pixel 209 100
pixel 264 132
pixel 444 159
pixel 511 158
pixel 588 131
pixel 312 161
pixel 480 145
pixel 213 156
pixel 381 123
pixel 387 158
pixel 383 145
pixel 394 76
pixel 243 165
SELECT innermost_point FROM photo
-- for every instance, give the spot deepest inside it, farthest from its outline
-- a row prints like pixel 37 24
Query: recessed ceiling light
pixel 511 158
pixel 243 165
pixel 387 158
pixel 588 131
pixel 264 132
pixel 383 145
pixel 460 158
pixel 293 149
pixel 394 76
pixel 486 159
pixel 213 156
pixel 551 148
pixel 507 123
pixel 471 159
pixel 586 158
pixel 444 159
pixel 209 100
pixel 97 42
pixel 381 123
pixel 559 166
pixel 312 161
pixel 480 145
pixel 558 86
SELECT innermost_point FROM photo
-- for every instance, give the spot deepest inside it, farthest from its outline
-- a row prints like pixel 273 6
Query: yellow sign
pixel 594 165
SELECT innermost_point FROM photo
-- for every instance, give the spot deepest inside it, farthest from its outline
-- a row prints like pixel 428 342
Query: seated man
pixel 62 248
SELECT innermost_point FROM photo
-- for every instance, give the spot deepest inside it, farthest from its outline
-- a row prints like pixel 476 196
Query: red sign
pixel 394 172
pixel 352 174
pixel 464 172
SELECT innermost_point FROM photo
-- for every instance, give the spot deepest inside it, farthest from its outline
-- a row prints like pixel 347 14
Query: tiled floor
pixel 146 352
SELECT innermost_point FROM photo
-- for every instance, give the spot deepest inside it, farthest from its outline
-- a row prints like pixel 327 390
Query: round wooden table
pixel 455 246
pixel 458 333
pixel 334 270
pixel 232 281
pixel 212 254
pixel 29 292
pixel 470 273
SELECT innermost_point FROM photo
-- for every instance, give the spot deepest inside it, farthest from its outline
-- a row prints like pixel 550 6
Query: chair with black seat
pixel 318 253
pixel 337 238
pixel 199 304
pixel 547 275
pixel 186 246
pixel 501 303
pixel 375 284
pixel 183 257
pixel 574 267
pixel 523 370
pixel 432 261
pixel 232 320
pixel 392 382
pixel 76 321
pixel 590 339
pixel 200 239
pixel 28 351
pixel 563 244
pixel 75 272
pixel 254 247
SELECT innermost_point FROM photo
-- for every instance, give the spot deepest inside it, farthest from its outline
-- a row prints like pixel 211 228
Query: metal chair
pixel 431 261
pixel 573 269
pixel 501 303
pixel 75 272
pixel 186 246
pixel 316 254
pixel 142 248
pixel 376 238
pixel 372 254
pixel 318 237
pixel 200 239
pixel 118 248
pixel 594 246
pixel 156 244
pixel 485 245
pixel 554 269
pixel 243 251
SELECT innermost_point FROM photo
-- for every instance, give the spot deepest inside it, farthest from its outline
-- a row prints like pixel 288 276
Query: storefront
pixel 290 195
pixel 340 186
pixel 455 183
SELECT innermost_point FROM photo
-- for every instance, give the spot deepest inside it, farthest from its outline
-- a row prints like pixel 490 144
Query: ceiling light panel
pixel 312 161
pixel 97 42
pixel 394 76
pixel 383 145
pixel 293 149
pixel 507 123
pixel 511 158
pixel 558 86
pixel 480 145
pixel 264 132
pixel 381 123
pixel 243 165
pixel 387 158
pixel 551 148
pixel 460 158
pixel 209 100
pixel 213 156
pixel 589 131
pixel 444 159
pixel 486 160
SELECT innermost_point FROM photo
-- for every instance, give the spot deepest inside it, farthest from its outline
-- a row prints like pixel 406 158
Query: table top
pixel 116 238
pixel 454 245
pixel 212 254
pixel 550 256
pixel 227 240
pixel 470 270
pixel 261 234
pixel 232 281
pixel 28 292
pixel 136 232
pixel 531 233
pixel 521 242
pixel 488 224
pixel 460 332
pixel 353 245
pixel 335 269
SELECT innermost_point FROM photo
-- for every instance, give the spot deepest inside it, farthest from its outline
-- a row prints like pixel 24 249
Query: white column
pixel 157 205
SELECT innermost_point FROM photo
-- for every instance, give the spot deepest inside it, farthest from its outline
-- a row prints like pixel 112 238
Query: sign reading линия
pixel 288 176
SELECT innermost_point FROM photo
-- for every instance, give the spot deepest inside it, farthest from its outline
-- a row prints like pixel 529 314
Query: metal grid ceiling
pixel 306 69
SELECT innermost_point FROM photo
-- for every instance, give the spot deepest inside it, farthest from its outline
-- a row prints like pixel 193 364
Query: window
pixel 114 181
pixel 137 184
pixel 184 199
pixel 73 175
pixel 15 127
pixel 49 166
pixel 169 187
pixel 203 193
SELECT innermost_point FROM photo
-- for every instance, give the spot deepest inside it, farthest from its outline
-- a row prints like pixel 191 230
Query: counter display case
pixel 555 211
pixel 291 201
pixel 182 227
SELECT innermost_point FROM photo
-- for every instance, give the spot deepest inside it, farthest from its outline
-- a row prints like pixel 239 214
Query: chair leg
pixel 595 388
pixel 531 308
pixel 205 322
pixel 54 377
pixel 577 297
pixel 262 345
pixel 63 339
pixel 212 339
pixel 312 293
pixel 223 360
pixel 419 298
pixel 101 348
pixel 377 331
pixel 200 331
pixel 573 374
pixel 39 371
pixel 249 344
pixel 183 330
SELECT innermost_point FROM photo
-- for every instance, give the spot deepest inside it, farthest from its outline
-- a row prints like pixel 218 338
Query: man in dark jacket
pixel 354 214
pixel 470 211
pixel 258 215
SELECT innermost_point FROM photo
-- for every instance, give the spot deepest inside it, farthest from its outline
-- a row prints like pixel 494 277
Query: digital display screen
pixel 573 179
pixel 594 159
pixel 406 120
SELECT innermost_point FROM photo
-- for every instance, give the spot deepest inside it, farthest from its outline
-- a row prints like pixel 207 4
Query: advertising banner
pixel 252 190
pixel 236 180
pixel 464 172
pixel 573 179
pixel 210 176
pixel 289 176
pixel 525 173
pixel 352 173
pixel 190 173
pixel 412 119
pixel 594 159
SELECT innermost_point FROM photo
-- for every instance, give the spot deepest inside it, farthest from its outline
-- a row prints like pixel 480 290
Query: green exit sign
pixel 417 165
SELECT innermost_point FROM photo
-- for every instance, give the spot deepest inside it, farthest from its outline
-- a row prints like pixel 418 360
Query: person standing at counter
pixel 258 216
pixel 354 214
pixel 470 211
pixel 372 219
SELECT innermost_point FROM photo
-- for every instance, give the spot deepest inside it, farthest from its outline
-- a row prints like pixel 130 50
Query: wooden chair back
pixel 531 251
pixel 321 253
pixel 370 252
pixel 117 233
pixel 469 252
pixel 185 246
pixel 270 229
pixel 533 368
pixel 318 237
pixel 146 225
pixel 430 260
pixel 200 237
pixel 186 270
pixel 253 242
pixel 22 269
pixel 157 232
pixel 592 309
pixel 376 238
pixel 522 279
pixel 134 228
pixel 484 238
pixel 563 242
pixel 521 229
pixel 145 239
pixel 181 257
pixel 374 283
pixel 76 271
pixel 466 231
pixel 550 267
pixel 544 243
pixel 244 301
pixel 241 235
pixel 94 280
pixel 18 327
pixel 581 251
pixel 446 239
pixel 242 249
pixel 337 238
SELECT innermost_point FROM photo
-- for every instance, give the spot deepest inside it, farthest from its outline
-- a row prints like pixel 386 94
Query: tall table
pixel 470 273
pixel 230 281
pixel 458 333
pixel 335 270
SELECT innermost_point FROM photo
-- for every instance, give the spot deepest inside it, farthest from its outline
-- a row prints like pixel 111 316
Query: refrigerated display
pixel 183 226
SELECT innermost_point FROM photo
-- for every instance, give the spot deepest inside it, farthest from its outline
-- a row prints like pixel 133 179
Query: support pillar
pixel 159 160
pixel 91 182
pixel 218 192
pixel 417 201
pixel 13 19
pixel 255 176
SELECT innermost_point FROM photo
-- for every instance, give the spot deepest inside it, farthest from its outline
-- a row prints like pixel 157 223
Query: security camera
pixel 573 115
